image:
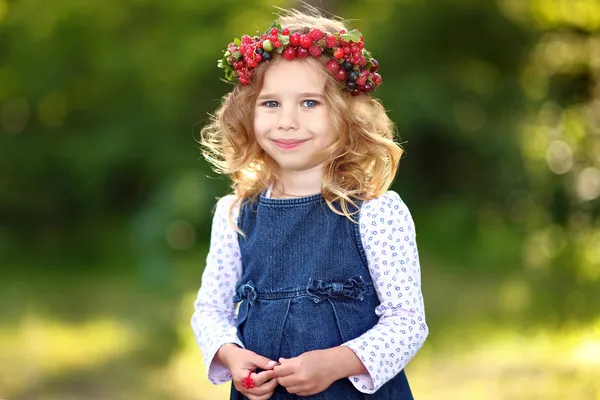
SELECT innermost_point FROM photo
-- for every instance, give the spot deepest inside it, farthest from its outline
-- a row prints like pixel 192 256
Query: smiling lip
pixel 288 144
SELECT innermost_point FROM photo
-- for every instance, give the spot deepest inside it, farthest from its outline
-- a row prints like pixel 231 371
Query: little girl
pixel 319 256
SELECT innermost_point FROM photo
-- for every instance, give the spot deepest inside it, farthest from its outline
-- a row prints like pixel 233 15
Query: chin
pixel 293 167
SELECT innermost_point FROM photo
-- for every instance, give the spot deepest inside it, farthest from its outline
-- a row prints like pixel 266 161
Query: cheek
pixel 261 122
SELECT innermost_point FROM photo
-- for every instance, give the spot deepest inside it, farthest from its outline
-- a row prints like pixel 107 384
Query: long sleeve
pixel 213 321
pixel 388 235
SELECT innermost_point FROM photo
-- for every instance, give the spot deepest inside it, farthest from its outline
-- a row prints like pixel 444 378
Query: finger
pixel 284 369
pixel 295 389
pixel 289 381
pixel 263 377
pixel 262 362
pixel 266 396
pixel 266 388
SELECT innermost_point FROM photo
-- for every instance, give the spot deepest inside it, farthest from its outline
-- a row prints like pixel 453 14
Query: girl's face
pixel 291 120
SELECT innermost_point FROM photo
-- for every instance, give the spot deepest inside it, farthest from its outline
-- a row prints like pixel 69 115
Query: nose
pixel 288 119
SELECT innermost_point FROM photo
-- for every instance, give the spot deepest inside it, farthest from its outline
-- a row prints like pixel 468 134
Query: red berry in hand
pixel 362 61
pixel 274 31
pixel 316 34
pixel 361 81
pixel 285 31
pixel 301 52
pixel 338 52
pixel 289 53
pixel 257 57
pixel 347 50
pixel 330 41
pixel 315 51
pixel 355 92
pixel 333 66
pixel 376 78
pixel 252 63
pixel 360 45
pixel 341 75
pixel 273 38
pixel 305 41
pixel 246 39
pixel 244 80
pixel 368 87
pixel 277 44
pixel 295 39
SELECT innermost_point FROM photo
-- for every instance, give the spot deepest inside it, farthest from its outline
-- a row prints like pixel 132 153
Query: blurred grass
pixel 152 354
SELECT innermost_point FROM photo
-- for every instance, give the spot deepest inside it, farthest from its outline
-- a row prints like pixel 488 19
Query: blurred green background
pixel 105 202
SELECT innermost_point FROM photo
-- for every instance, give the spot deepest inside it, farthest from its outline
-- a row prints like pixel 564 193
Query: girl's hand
pixel 264 384
pixel 309 373
pixel 240 362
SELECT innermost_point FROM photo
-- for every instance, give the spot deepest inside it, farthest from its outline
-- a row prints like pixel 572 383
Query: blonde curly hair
pixel 365 157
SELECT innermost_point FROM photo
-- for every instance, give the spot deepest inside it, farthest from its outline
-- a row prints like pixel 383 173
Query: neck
pixel 299 183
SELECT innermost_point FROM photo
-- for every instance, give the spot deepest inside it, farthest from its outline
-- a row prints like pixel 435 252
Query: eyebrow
pixel 270 95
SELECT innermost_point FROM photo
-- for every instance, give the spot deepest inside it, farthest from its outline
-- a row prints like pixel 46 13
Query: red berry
pixel 347 50
pixel 257 57
pixel 338 52
pixel 341 75
pixel 343 31
pixel 368 87
pixel 355 92
pixel 244 80
pixel 252 63
pixel 316 34
pixel 315 51
pixel 354 49
pixel 265 36
pixel 295 39
pixel 277 44
pixel 301 52
pixel 333 66
pixel 362 61
pixel 361 81
pixel 285 31
pixel 289 53
pixel 360 45
pixel 246 39
pixel 305 41
pixel 330 41
pixel 273 38
pixel 274 31
pixel 238 64
pixel 376 78
pixel 375 66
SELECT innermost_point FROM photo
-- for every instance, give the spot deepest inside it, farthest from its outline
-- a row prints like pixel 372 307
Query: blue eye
pixel 310 103
pixel 270 104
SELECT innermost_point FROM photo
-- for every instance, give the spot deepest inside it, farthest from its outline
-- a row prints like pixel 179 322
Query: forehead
pixel 296 76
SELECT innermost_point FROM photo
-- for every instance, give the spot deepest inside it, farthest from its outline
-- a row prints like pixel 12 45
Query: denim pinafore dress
pixel 305 286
